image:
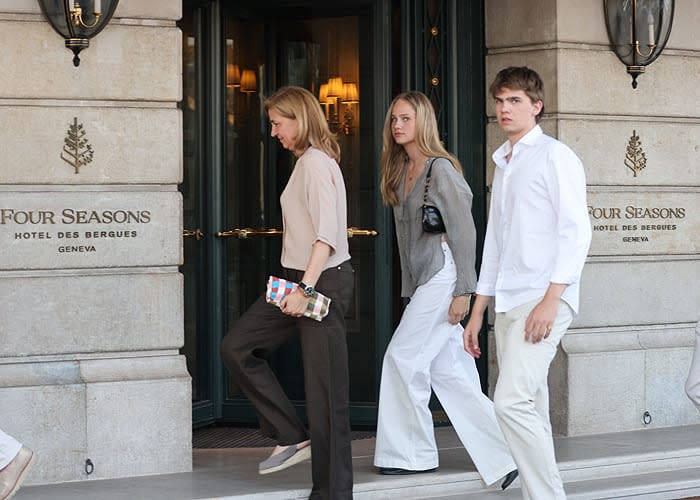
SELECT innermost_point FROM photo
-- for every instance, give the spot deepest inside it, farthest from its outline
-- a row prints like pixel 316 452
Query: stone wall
pixel 629 350
pixel 91 313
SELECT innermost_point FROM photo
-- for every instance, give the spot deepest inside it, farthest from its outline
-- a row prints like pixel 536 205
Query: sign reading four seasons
pixel 633 223
pixel 89 229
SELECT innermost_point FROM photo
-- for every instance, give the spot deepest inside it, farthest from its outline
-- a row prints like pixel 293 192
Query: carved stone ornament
pixel 77 151
pixel 635 159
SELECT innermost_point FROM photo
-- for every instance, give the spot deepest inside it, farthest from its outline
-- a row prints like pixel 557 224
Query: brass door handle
pixel 356 231
pixel 247 232
pixel 197 234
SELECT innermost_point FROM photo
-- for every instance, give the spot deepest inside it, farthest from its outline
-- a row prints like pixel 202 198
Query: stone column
pixel 629 350
pixel 91 316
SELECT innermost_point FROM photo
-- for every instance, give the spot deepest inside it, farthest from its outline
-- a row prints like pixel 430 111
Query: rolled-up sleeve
pixel 567 188
pixel 453 197
pixel 322 200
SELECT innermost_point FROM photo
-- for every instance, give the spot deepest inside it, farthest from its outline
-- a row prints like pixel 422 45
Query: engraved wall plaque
pixel 644 223
pixel 90 229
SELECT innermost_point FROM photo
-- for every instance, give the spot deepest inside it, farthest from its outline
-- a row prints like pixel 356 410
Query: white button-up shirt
pixel 538 231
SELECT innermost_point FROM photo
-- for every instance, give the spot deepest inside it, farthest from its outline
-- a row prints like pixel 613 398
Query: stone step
pixel 584 462
pixel 667 485
pixel 649 464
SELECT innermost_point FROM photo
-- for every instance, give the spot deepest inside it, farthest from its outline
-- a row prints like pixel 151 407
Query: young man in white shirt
pixel 537 239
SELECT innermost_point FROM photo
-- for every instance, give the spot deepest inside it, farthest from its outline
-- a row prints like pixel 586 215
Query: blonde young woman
pixel 438 275
pixel 314 254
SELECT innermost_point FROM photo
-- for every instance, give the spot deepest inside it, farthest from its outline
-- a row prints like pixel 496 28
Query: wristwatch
pixel 307 290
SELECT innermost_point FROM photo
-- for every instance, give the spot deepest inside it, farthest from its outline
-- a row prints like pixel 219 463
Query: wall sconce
pixel 323 98
pixel 638 31
pixel 78 20
pixel 249 83
pixel 335 87
pixel 350 96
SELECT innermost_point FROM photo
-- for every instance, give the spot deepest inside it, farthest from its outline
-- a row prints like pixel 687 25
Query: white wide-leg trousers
pixel 427 350
pixel 692 385
pixel 522 399
pixel 9 447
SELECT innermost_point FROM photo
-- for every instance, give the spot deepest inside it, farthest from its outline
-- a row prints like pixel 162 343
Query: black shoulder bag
pixel 432 219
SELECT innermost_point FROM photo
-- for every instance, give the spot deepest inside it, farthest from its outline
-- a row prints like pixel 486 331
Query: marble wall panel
pixel 671 150
pixel 646 222
pixel 58 230
pixel 90 313
pixel 571 26
pixel 49 419
pixel 662 92
pixel 665 376
pixel 140 63
pixel 639 292
pixel 606 392
pixel 130 145
pixel 118 404
pixel 511 23
pixel 684 33
pixel 99 409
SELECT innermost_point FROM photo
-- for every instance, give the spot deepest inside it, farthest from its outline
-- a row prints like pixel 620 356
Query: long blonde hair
pixel 427 140
pixel 299 104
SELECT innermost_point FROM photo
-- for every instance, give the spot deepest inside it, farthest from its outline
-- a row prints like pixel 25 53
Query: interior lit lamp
pixel 335 92
pixel 249 83
pixel 350 96
pixel 233 76
pixel 323 98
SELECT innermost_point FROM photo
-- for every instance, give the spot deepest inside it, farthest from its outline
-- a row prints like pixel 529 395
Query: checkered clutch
pixel 278 288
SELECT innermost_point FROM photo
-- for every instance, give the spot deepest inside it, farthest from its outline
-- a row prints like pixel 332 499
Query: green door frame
pixel 463 75
pixel 210 117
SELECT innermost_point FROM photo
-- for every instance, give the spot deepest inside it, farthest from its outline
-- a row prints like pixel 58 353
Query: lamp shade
pixel 335 87
pixel 323 93
pixel 638 31
pixel 249 83
pixel 233 75
pixel 78 20
pixel 350 93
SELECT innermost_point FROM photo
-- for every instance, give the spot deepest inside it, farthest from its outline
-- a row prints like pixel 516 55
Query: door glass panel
pixel 190 189
pixel 314 53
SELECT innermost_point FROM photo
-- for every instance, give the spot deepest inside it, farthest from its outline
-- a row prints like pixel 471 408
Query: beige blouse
pixel 314 208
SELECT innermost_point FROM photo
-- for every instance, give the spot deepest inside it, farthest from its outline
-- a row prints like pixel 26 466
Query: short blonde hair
pixel 299 104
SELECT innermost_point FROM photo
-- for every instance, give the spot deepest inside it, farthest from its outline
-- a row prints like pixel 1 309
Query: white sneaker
pixel 12 475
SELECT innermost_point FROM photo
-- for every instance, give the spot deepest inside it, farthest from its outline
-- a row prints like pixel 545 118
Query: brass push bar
pixel 247 232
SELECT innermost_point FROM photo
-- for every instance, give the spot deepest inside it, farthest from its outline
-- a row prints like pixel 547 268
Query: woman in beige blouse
pixel 314 254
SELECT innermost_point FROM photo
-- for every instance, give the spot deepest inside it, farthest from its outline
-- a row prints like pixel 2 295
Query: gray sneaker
pixel 286 458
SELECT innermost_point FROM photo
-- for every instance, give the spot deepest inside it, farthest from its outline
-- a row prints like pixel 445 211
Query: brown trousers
pixel 262 329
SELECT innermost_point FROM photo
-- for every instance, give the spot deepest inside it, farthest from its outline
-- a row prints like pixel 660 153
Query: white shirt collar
pixel 499 156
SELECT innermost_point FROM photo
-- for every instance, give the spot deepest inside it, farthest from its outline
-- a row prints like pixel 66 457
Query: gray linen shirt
pixel 420 252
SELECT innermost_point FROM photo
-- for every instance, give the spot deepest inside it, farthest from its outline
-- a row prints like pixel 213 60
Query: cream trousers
pixel 522 399
pixel 692 385
pixel 426 350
